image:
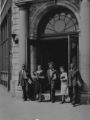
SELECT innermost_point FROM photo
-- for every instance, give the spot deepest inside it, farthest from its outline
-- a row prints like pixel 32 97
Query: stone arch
pixel 38 15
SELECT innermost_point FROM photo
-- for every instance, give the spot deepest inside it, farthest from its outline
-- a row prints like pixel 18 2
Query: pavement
pixel 12 108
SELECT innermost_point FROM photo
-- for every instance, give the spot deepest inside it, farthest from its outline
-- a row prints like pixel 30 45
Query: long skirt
pixel 64 88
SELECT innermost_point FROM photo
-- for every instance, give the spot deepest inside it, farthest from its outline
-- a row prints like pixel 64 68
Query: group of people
pixel 70 82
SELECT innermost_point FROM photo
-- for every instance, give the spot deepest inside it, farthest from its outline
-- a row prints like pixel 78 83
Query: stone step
pixel 85 97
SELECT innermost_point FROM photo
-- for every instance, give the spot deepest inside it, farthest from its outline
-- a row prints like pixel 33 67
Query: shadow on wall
pixel 84 94
pixel 84 91
pixel 85 87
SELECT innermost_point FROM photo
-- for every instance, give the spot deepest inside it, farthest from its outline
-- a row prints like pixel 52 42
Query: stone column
pixel 84 43
pixel 32 58
pixel 23 35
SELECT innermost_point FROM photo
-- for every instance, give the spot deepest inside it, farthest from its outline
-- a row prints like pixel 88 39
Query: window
pixel 58 20
pixel 61 22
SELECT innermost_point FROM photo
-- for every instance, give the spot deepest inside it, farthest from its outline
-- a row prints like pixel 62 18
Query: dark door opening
pixel 56 51
pixel 53 50
pixel 62 51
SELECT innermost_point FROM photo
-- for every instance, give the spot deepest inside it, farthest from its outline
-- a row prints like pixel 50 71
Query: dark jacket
pixel 22 80
pixel 73 77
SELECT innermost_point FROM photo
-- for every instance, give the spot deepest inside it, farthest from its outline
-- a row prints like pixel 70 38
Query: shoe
pixel 25 99
pixel 62 102
pixel 53 101
pixel 74 105
pixel 39 100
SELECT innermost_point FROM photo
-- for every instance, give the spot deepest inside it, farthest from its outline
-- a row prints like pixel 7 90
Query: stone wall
pixel 15 49
pixel 36 12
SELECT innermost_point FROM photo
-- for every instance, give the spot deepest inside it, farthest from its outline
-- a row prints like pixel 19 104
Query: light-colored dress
pixel 63 78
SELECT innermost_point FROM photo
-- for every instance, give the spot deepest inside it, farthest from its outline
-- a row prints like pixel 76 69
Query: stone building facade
pixel 5 42
pixel 46 30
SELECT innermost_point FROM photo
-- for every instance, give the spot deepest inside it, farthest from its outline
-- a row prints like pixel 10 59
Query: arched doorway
pixel 58 38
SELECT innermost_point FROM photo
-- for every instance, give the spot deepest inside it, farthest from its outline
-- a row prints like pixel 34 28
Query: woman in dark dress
pixel 38 77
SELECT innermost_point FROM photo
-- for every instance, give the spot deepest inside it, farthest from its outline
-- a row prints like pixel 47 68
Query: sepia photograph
pixel 44 59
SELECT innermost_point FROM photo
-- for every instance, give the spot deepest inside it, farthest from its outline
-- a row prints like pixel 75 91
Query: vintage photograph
pixel 44 59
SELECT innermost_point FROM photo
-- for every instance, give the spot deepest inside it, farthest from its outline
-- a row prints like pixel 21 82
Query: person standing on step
pixel 39 77
pixel 74 82
pixel 23 80
pixel 63 78
pixel 52 76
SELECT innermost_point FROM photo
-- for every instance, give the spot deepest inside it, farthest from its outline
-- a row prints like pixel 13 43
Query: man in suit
pixel 52 76
pixel 73 86
pixel 23 81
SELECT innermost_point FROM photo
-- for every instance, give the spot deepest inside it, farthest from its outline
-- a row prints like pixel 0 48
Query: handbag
pixel 19 88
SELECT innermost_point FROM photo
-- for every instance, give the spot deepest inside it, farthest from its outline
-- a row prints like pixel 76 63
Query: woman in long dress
pixel 63 78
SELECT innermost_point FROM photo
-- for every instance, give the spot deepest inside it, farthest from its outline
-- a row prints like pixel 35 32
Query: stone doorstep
pixel 85 97
pixel 46 95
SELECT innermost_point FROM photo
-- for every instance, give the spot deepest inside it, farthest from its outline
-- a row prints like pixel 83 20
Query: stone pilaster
pixel 23 36
pixel 84 43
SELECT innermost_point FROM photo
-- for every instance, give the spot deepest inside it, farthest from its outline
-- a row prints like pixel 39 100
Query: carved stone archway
pixel 38 15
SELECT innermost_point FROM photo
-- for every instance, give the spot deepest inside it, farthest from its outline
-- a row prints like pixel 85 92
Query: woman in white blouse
pixel 63 79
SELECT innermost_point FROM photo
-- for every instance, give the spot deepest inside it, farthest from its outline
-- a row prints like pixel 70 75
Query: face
pixel 61 69
pixel 23 67
pixel 50 66
pixel 39 67
pixel 72 66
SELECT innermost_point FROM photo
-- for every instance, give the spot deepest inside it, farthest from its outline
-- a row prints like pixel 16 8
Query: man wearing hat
pixel 52 76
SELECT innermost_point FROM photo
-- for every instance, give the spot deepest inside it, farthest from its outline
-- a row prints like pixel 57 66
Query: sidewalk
pixel 17 109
